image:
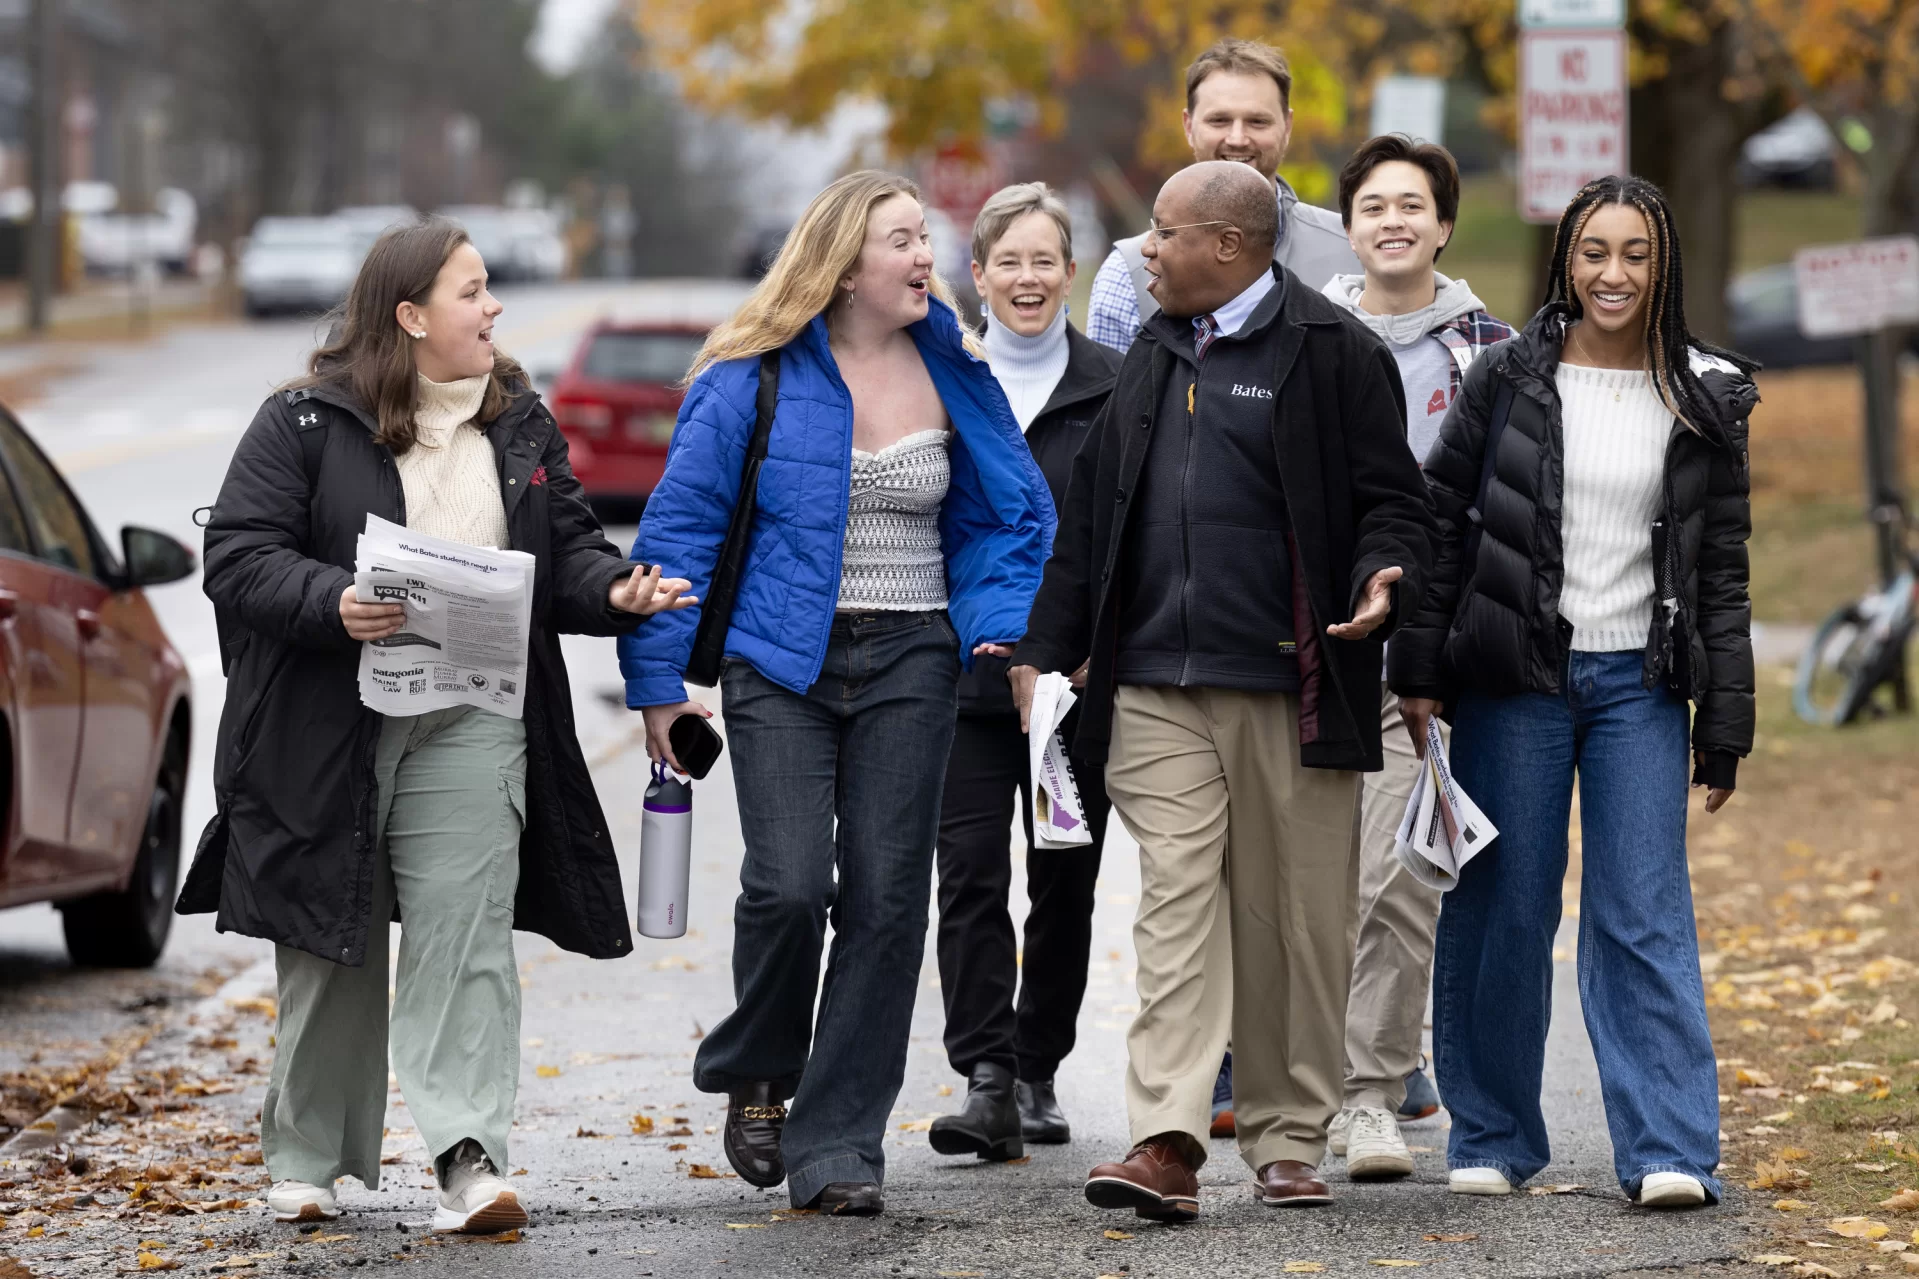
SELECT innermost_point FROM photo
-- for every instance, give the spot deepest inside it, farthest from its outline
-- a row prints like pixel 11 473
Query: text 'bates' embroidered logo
pixel 1251 392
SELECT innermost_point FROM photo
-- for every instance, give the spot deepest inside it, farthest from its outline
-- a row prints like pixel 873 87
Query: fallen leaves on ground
pixel 1790 1205
pixel 510 1236
pixel 706 1172
pixel 746 1225
pixel 1565 1189
pixel 1858 1228
pixel 1815 1270
pixel 1778 1175
pixel 265 1005
pixel 919 1125
pixel 154 1261
pixel 11 1269
pixel 1906 1200
pixel 1302 1268
pixel 1468 1237
pixel 1117 1234
pixel 642 1125
pixel 1393 1263
pixel 1774 1259
pixel 1752 1078
pixel 547 1072
pixel 944 1090
pixel 677 1145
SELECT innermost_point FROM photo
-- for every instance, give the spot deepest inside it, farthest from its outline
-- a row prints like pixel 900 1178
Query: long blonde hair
pixel 821 248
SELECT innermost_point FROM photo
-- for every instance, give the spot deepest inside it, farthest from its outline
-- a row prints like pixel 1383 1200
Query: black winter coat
pixel 289 855
pixel 1494 626
pixel 1353 494
pixel 1055 437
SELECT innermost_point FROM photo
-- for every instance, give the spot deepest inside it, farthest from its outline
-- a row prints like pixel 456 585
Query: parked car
pixel 115 243
pixel 1763 309
pixel 299 264
pixel 617 402
pixel 1796 151
pixel 95 720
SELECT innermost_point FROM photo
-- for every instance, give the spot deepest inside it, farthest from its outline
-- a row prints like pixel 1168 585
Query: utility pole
pixel 43 149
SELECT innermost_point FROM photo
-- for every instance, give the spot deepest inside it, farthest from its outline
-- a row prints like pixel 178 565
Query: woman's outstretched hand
pixel 369 621
pixel 645 592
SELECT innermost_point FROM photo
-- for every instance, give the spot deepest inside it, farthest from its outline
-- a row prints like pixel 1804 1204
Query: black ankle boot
pixel 988 1124
pixel 1041 1121
pixel 754 1120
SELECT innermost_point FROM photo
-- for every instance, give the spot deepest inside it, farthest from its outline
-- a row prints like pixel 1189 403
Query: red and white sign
pixel 1572 116
pixel 1847 289
pixel 959 180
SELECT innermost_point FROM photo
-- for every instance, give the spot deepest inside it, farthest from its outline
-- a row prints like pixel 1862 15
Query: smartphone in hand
pixel 694 744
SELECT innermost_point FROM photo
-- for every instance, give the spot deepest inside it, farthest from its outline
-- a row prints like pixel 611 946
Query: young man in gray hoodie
pixel 1399 200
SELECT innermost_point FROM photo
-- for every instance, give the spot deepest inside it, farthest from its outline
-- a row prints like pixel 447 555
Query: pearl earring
pixel 419 335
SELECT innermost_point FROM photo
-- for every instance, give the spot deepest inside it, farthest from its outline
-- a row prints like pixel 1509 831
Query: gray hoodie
pixel 1452 300
pixel 1425 364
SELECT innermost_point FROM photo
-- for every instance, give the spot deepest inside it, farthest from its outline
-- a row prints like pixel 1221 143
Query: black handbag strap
pixel 716 610
pixel 1495 427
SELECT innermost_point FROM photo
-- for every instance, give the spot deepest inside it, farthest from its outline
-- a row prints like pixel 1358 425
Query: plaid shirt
pixel 1474 332
pixel 1112 313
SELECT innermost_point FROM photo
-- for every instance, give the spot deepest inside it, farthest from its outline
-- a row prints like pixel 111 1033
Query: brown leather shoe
pixel 1154 1180
pixel 1288 1183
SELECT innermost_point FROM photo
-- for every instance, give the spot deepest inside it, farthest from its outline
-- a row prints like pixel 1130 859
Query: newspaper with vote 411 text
pixel 1442 829
pixel 468 613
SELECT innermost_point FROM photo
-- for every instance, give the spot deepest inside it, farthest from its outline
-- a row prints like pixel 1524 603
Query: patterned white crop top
pixel 893 560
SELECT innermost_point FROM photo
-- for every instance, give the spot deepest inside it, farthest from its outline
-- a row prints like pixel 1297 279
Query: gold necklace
pixel 1573 333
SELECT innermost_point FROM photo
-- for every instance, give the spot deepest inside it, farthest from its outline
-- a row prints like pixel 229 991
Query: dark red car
pixel 617 402
pixel 94 707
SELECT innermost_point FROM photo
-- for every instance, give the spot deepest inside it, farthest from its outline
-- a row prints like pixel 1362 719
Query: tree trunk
pixel 1686 138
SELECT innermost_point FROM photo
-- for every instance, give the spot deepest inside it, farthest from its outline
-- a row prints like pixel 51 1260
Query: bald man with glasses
pixel 1242 529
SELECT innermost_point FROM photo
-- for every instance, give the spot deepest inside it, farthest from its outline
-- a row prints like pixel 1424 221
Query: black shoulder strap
pixel 310 424
pixel 716 610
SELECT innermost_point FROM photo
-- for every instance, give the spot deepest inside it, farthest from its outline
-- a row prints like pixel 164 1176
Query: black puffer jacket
pixel 1493 626
pixel 289 855
pixel 1054 436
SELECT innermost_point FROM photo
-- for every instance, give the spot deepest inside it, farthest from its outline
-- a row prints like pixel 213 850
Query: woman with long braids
pixel 1591 580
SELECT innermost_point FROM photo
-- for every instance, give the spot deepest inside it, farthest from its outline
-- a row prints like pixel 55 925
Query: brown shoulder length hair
pixel 368 354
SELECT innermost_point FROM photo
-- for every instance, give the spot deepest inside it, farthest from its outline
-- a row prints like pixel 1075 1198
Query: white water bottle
pixel 666 854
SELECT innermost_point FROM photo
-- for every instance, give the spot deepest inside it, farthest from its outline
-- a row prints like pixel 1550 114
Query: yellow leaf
pixel 1815 1270
pixel 1790 1205
pixel 547 1072
pixel 917 1125
pixel 511 1236
pixel 676 1145
pixel 746 1225
pixel 326 1238
pixel 1858 1227
pixel 1906 1200
pixel 1752 1078
pixel 945 1090
pixel 1794 1152
pixel 705 1172
pixel 642 1125
pixel 1302 1268
pixel 154 1261
pixel 1117 1234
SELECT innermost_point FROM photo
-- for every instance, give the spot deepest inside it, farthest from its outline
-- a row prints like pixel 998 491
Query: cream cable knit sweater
pixel 1616 432
pixel 451 480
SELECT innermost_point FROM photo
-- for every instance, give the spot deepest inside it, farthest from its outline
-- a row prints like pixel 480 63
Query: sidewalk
pixel 97 303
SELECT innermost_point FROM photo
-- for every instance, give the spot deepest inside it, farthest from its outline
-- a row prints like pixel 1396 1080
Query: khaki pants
pixel 452 797
pixel 1393 934
pixel 1209 783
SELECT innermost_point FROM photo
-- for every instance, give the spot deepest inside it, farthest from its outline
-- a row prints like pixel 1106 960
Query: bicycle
pixel 1861 648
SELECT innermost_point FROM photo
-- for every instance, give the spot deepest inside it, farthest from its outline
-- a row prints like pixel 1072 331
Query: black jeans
pixel 978 957
pixel 839 801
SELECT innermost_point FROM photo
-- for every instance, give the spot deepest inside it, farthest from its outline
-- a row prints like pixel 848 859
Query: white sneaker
pixel 302 1201
pixel 1670 1190
pixel 475 1199
pixel 1478 1181
pixel 1374 1147
pixel 1336 1134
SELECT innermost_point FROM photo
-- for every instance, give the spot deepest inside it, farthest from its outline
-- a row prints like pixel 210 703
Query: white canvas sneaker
pixel 474 1198
pixel 1374 1147
pixel 1478 1181
pixel 1336 1134
pixel 1670 1190
pixel 302 1201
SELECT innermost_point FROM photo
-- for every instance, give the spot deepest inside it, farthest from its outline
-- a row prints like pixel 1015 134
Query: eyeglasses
pixel 1164 233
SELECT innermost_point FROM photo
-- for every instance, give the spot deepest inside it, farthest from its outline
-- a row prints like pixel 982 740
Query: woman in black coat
pixel 1591 581
pixel 1056 380
pixel 333 818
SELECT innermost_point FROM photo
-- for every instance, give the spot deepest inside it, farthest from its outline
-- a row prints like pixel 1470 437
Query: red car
pixel 616 404
pixel 94 706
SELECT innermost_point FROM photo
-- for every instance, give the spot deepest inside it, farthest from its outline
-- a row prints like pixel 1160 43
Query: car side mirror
pixel 154 558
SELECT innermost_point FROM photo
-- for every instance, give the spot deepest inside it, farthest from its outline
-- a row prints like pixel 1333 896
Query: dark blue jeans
pixel 1638 949
pixel 839 798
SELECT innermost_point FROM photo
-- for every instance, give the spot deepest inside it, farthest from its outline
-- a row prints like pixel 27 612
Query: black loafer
pixel 1041 1121
pixel 988 1124
pixel 754 1121
pixel 849 1199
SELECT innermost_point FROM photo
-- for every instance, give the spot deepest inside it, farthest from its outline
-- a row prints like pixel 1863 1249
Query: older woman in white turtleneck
pixel 1007 1036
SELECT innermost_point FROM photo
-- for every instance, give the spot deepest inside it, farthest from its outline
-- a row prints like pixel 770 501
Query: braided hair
pixel 1668 341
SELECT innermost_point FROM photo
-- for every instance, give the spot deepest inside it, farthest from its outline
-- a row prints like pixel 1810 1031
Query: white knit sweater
pixel 1616 432
pixel 451 480
pixel 1027 368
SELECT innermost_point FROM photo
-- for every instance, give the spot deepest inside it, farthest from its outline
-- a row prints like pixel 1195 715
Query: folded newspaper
pixel 1059 821
pixel 468 611
pixel 1442 829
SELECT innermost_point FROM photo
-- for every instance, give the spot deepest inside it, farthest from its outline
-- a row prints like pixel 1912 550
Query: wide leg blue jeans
pixel 1639 976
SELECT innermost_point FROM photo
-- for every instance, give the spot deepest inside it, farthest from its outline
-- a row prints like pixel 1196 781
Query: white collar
pixel 1233 316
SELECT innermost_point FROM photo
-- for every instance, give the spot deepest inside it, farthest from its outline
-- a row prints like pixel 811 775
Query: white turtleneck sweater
pixel 1027 368
pixel 1616 432
pixel 451 480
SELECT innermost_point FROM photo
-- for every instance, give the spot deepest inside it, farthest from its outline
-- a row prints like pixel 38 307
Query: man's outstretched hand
pixel 1375 606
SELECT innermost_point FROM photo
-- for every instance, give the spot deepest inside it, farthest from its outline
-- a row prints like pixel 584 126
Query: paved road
pixel 144 432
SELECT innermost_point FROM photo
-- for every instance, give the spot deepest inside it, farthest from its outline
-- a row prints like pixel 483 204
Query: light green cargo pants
pixel 452 801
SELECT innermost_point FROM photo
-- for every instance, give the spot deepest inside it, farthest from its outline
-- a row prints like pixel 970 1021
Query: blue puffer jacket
pixel 996 523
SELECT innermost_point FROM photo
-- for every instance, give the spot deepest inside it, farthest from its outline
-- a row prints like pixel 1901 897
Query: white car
pixel 299 264
pixel 114 243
